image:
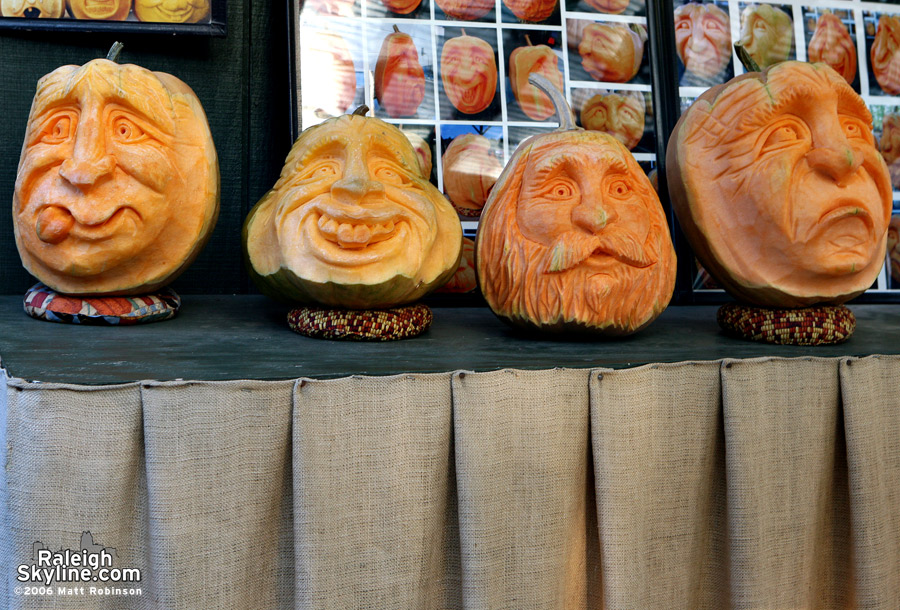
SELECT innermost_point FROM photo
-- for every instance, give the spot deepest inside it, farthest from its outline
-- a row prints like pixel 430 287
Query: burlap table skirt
pixel 758 484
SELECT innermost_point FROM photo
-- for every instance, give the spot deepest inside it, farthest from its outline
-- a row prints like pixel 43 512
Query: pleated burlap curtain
pixel 770 483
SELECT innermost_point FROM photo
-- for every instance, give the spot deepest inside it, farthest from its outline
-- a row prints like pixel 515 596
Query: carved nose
pixel 838 162
pixel 84 172
pixel 593 218
pixel 353 190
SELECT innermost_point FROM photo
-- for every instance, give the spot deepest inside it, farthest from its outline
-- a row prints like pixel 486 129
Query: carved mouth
pixel 846 211
pixel 100 9
pixel 354 232
pixel 32 13
pixel 55 223
pixel 178 14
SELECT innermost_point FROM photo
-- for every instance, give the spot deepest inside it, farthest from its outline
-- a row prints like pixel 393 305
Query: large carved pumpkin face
pixel 777 181
pixel 33 9
pixel 171 11
pixel 886 54
pixel 767 33
pixel 352 221
pixel 117 186
pixel 469 73
pixel 621 116
pixel 703 39
pixel 831 43
pixel 109 10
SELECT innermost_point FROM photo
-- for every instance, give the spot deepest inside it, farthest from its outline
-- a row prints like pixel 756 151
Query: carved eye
pixel 560 189
pixel 388 174
pixel 684 24
pixel 619 189
pixel 786 133
pixel 713 25
pixel 59 129
pixel 127 131
pixel 853 128
pixel 324 168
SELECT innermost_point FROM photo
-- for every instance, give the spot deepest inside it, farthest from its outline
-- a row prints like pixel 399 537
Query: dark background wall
pixel 242 82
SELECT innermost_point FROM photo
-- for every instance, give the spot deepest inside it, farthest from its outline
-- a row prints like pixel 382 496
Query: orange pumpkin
pixel 118 183
pixel 885 55
pixel 422 149
pixel 621 116
pixel 470 171
pixel 767 34
pixel 33 9
pixel 110 10
pixel 524 61
pixel 831 43
pixel 779 188
pixel 399 77
pixel 531 10
pixel 612 52
pixel 352 222
pixel 401 7
pixel 466 10
pixel 171 11
pixel 573 237
pixel 328 79
pixel 469 73
pixel 464 278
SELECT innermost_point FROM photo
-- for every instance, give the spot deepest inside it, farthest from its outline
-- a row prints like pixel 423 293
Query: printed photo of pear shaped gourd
pixel 352 222
pixel 573 238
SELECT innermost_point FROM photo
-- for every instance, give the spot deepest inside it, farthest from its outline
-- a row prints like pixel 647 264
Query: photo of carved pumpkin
pixel 464 279
pixel 466 10
pixel 109 10
pixel 831 43
pixel 611 7
pixel 893 250
pixel 401 7
pixel 470 171
pixel 527 60
pixel 469 73
pixel 885 55
pixel 573 237
pixel 337 8
pixel 619 115
pixel 328 80
pixel 889 145
pixel 399 77
pixel 612 52
pixel 171 11
pixel 703 42
pixel 117 189
pixel 767 34
pixel 779 188
pixel 423 150
pixel 532 11
pixel 33 9
pixel 352 222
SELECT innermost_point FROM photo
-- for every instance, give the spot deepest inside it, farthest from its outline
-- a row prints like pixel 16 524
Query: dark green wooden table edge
pixel 227 337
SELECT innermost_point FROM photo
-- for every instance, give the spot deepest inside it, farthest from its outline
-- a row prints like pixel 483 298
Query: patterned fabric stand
pixel 361 325
pixel 44 303
pixel 821 325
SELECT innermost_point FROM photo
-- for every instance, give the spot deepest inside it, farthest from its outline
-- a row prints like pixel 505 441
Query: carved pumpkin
pixel 524 61
pixel 885 56
pixel 612 52
pixel 171 11
pixel 469 73
pixel 890 146
pixel 779 188
pixel 107 10
pixel 573 237
pixel 352 222
pixel 118 183
pixel 423 150
pixel 470 170
pixel 831 43
pixel 33 9
pixel 464 278
pixel 703 40
pixel 401 7
pixel 466 10
pixel 531 10
pixel 767 34
pixel 329 75
pixel 399 77
pixel 612 7
pixel 621 116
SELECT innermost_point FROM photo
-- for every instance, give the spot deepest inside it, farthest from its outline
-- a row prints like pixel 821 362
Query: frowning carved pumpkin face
pixel 886 54
pixel 112 154
pixel 702 39
pixel 621 116
pixel 33 9
pixel 831 43
pixel 171 11
pixel 109 10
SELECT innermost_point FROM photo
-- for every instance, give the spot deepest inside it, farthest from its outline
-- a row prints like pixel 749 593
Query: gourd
pixel 470 171
pixel 531 10
pixel 118 182
pixel 399 77
pixel 767 34
pixel 351 222
pixel 619 115
pixel 469 73
pixel 831 43
pixel 33 9
pixel 778 186
pixel 466 10
pixel 527 60
pixel 573 237
pixel 612 52
pixel 171 11
pixel 885 55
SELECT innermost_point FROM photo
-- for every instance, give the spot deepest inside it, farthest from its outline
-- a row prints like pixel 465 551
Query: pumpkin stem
pixel 748 62
pixel 396 29
pixel 361 111
pixel 566 118
pixel 463 30
pixel 528 40
pixel 114 51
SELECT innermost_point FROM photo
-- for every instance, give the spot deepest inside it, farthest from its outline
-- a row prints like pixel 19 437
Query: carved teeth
pixel 355 234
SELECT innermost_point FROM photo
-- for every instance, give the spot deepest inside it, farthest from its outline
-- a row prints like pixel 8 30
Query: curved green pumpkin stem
pixel 566 118
pixel 748 62
pixel 361 111
pixel 114 51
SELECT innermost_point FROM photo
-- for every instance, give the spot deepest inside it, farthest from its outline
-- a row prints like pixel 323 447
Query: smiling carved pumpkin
pixel 33 9
pixel 469 73
pixel 171 11
pixel 107 10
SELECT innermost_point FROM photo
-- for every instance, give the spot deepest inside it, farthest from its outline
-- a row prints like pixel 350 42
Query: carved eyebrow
pixel 321 146
pixel 850 103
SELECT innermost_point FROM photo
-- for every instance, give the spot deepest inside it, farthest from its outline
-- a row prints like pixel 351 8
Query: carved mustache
pixel 574 247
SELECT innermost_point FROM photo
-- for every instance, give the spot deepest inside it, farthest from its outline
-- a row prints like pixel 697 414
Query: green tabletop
pixel 247 337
